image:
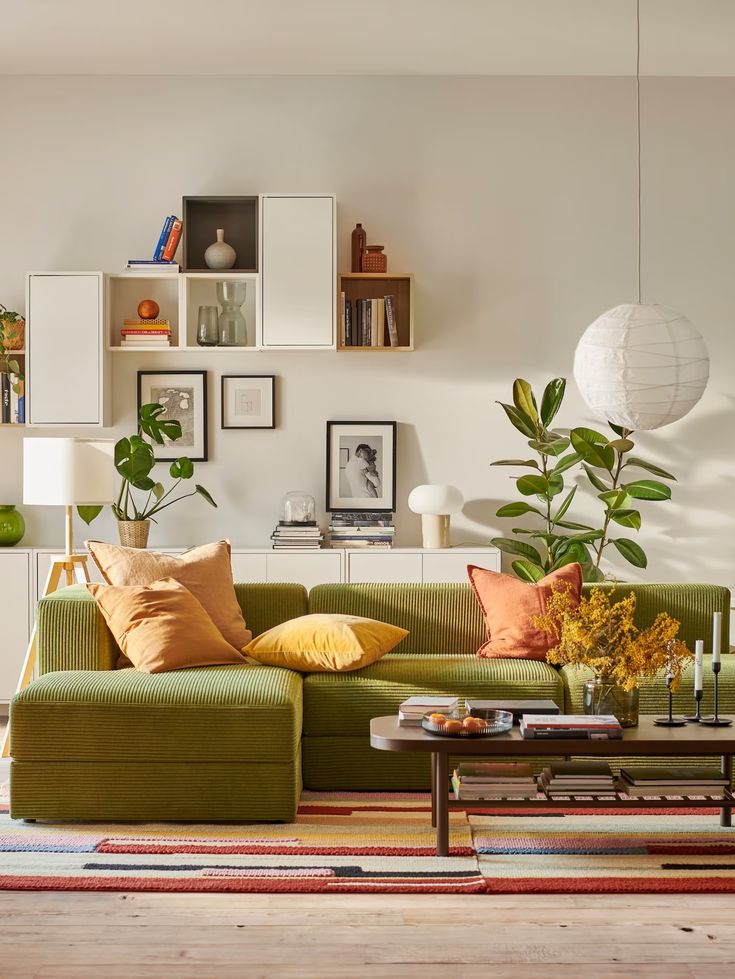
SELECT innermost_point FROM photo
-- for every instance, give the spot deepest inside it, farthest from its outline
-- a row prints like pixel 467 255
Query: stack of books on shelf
pixel 367 530
pixel 412 710
pixel 146 333
pixel 163 253
pixel 12 399
pixel 672 780
pixel 573 726
pixel 369 322
pixel 565 778
pixel 494 780
pixel 290 537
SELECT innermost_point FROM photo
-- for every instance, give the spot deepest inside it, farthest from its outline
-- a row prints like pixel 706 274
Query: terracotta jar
pixel 374 259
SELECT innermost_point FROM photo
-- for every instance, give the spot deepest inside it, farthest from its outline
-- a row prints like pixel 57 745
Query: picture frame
pixel 248 401
pixel 361 466
pixel 184 393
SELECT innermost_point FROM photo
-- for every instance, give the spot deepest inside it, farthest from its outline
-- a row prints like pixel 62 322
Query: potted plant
pixel 600 634
pixel 134 461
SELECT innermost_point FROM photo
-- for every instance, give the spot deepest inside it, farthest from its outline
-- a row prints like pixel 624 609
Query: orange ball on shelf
pixel 148 309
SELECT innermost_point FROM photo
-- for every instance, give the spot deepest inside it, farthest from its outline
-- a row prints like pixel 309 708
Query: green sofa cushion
pixel 342 704
pixel 219 714
pixel 441 619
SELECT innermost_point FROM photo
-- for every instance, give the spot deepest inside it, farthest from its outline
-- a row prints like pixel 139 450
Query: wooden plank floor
pixel 70 935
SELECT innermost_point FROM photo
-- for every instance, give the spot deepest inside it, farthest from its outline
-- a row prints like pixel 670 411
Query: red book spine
pixel 173 240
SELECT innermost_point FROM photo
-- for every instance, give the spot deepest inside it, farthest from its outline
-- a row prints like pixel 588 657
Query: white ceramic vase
pixel 220 255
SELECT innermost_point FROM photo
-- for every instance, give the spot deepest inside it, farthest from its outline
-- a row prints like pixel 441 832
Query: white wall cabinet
pixel 298 266
pixel 16 611
pixel 65 369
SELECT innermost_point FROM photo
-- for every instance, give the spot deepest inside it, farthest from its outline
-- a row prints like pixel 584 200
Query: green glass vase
pixel 12 525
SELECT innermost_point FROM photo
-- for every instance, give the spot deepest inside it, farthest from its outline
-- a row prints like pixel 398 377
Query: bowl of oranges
pixel 460 724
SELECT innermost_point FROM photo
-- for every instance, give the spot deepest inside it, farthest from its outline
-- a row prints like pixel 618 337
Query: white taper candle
pixel 698 663
pixel 716 634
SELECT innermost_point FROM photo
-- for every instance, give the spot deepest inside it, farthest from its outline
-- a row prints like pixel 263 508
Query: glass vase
pixel 233 327
pixel 602 696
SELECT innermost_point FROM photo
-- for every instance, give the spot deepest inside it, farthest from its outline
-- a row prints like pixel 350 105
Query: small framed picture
pixel 248 401
pixel 361 466
pixel 184 397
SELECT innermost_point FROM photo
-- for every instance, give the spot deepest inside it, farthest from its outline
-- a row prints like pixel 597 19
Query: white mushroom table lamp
pixel 436 504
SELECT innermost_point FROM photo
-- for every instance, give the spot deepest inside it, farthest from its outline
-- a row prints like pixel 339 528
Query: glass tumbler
pixel 208 326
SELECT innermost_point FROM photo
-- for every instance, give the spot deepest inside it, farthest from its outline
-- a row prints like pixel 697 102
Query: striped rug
pixel 383 843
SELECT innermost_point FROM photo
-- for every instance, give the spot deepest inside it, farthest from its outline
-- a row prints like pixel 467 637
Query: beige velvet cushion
pixel 162 627
pixel 206 571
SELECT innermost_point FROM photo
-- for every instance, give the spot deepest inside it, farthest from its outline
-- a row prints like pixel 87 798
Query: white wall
pixel 512 201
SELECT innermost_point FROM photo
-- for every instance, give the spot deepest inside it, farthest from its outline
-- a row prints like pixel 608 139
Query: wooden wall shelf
pixel 376 285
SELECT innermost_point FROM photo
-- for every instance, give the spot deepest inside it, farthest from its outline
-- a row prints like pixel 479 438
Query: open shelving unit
pixel 179 298
pixel 237 216
pixel 376 285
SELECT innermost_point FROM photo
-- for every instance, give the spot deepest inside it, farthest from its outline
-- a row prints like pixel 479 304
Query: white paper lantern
pixel 641 366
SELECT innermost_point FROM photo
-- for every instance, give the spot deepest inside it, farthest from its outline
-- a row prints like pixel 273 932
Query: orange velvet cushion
pixel 509 605
pixel 206 571
pixel 162 627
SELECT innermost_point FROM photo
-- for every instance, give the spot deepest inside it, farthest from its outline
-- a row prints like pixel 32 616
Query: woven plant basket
pixel 134 533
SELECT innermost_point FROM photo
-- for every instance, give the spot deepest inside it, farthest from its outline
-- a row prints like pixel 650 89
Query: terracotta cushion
pixel 509 604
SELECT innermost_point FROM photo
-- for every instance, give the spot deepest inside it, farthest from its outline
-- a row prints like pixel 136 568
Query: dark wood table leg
pixel 726 812
pixel 442 807
pixel 433 758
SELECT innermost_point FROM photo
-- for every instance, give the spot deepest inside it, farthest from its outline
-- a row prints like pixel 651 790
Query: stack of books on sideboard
pixel 573 726
pixel 295 537
pixel 370 531
pixel 369 322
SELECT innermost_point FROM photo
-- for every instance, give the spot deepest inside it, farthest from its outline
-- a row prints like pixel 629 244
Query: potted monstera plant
pixel 141 497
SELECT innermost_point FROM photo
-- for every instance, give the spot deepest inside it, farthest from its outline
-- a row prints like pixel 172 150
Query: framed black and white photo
pixel 248 401
pixel 183 395
pixel 361 466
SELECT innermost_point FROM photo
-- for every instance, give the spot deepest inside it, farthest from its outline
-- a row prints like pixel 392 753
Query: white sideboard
pixel 23 574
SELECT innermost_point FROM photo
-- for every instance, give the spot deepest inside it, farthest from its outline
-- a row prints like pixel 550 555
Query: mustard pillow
pixel 162 627
pixel 325 643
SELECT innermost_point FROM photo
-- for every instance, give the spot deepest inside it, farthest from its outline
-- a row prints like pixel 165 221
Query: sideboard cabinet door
pixel 15 612
pixel 298 271
pixel 65 367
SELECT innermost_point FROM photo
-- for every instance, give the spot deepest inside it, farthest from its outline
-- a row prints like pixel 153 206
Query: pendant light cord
pixel 638 136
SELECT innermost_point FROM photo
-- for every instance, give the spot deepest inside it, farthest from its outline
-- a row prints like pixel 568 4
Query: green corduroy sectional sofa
pixel 237 743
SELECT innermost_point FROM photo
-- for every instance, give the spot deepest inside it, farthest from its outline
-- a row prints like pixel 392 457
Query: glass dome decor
pixel 298 508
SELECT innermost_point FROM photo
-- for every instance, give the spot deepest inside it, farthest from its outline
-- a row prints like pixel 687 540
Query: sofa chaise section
pixel 93 742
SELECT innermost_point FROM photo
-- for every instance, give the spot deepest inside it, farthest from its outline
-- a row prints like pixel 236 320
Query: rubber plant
pixel 558 541
pixel 134 461
pixel 610 470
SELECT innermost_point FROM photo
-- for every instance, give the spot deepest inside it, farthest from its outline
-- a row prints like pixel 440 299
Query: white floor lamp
pixel 63 472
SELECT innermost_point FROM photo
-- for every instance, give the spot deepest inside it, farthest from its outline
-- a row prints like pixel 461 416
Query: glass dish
pixel 485 724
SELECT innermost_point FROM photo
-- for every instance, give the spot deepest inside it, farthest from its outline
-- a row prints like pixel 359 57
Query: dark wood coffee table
pixel 645 741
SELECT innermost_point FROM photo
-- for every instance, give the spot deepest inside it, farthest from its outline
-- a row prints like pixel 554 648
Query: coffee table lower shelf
pixel 643 742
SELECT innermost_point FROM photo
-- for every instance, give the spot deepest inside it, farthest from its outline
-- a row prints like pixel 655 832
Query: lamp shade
pixel 641 366
pixel 66 472
pixel 435 499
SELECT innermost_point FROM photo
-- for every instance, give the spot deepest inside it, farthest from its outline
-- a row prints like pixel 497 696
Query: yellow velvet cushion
pixel 162 627
pixel 325 643
pixel 206 571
